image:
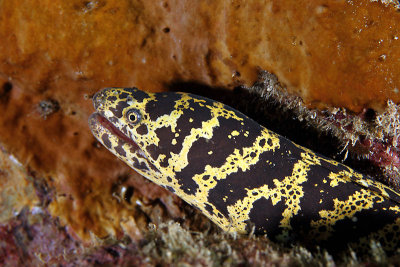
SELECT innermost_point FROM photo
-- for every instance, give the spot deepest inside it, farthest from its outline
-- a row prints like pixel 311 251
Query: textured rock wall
pixel 55 54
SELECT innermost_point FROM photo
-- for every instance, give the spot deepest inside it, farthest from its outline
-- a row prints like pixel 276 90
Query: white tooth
pixel 14 160
pixel 108 113
pixel 142 153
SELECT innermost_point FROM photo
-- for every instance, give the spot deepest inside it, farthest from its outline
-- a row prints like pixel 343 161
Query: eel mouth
pixel 96 120
pixel 100 126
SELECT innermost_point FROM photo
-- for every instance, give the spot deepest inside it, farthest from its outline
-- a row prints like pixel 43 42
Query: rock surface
pixel 55 54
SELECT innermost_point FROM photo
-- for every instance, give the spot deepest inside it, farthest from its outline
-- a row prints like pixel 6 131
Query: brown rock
pixel 55 54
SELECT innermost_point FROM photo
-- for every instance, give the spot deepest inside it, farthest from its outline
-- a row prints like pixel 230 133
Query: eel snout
pixel 100 127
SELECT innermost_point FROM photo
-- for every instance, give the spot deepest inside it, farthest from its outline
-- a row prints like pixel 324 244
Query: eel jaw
pixel 104 130
pixel 96 120
pixel 101 120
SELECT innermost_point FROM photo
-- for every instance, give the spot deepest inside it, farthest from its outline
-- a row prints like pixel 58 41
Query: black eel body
pixel 241 175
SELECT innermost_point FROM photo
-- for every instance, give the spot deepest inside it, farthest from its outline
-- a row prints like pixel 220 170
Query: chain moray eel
pixel 241 175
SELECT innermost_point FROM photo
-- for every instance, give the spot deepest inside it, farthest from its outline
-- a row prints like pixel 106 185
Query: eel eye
pixel 133 116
